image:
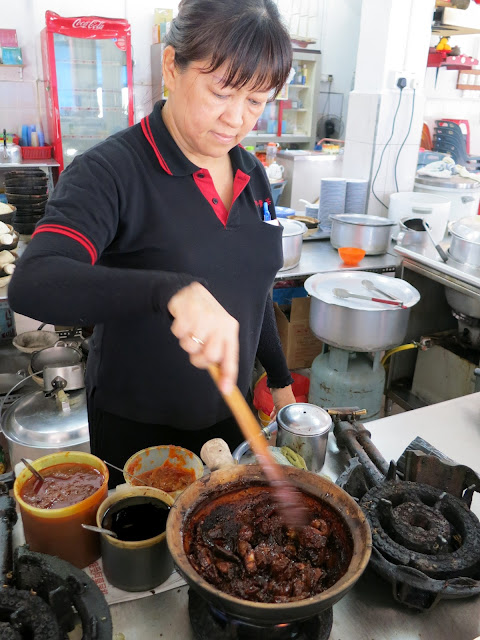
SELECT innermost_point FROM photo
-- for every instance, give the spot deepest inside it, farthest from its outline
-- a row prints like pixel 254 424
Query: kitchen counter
pixel 319 256
pixel 368 611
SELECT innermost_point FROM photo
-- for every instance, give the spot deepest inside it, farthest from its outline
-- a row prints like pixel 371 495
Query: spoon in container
pixel 31 468
pixel 368 284
pixel 142 482
pixel 343 293
pixel 439 249
pixel 107 532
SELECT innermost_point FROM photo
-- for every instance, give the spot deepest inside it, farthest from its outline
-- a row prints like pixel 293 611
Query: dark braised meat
pixel 243 548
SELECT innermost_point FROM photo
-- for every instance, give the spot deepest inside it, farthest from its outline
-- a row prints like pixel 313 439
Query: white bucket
pixel 464 202
pixel 434 209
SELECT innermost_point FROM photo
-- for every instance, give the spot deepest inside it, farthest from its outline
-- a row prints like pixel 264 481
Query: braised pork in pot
pixel 239 544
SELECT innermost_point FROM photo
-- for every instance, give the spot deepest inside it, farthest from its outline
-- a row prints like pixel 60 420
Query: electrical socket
pixel 330 78
pixel 410 77
pixel 326 77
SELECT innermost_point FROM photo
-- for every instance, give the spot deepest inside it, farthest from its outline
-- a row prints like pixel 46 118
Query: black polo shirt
pixel 131 222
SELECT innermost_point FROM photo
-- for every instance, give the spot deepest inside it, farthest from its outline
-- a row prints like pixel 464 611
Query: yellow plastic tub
pixel 58 532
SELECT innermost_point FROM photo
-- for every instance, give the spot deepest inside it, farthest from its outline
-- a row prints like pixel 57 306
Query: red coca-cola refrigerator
pixel 87 64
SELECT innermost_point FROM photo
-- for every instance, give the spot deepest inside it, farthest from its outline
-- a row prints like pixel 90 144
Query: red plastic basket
pixel 36 153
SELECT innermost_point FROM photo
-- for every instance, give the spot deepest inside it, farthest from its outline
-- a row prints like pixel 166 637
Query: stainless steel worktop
pixel 368 612
pixel 319 256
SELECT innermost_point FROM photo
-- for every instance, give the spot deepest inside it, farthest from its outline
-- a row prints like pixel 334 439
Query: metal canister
pixel 304 428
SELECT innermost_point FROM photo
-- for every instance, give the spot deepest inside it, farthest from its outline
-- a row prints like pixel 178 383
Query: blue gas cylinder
pixel 341 378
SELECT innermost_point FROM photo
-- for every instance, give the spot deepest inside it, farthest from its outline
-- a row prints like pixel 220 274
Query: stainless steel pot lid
pixel 467 228
pixel 321 286
pixel 304 419
pixel 54 356
pixel 292 227
pixel 455 182
pixel 363 220
pixel 37 421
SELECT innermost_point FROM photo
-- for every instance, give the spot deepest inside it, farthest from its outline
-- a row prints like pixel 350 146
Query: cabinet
pixel 291 118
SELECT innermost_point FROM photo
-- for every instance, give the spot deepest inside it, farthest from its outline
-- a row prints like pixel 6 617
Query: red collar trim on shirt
pixel 145 124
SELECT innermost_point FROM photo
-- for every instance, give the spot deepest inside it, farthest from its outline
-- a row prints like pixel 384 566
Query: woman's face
pixel 209 120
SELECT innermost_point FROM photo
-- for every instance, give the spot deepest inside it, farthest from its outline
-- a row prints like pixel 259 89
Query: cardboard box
pixel 299 344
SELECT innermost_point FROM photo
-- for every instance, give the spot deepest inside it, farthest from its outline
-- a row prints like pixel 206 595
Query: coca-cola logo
pixel 96 25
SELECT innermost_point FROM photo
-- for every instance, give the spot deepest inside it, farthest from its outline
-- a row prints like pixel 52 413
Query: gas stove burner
pixel 468 320
pixel 209 623
pixel 468 330
pixel 43 597
pixel 418 526
pixel 426 542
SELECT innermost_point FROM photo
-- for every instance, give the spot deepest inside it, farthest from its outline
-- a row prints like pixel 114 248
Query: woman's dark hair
pixel 248 35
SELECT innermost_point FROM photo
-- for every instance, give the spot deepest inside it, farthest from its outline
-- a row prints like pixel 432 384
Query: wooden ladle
pixel 290 503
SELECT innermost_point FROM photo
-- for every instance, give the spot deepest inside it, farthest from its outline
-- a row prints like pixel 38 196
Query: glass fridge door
pixel 92 91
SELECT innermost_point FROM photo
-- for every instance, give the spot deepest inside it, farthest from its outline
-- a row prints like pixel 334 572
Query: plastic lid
pixel 304 419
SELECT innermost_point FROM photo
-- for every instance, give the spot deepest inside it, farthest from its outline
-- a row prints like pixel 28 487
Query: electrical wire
pixel 404 140
pixel 383 150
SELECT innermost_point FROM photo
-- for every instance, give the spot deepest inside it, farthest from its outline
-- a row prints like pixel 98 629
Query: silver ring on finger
pixel 197 340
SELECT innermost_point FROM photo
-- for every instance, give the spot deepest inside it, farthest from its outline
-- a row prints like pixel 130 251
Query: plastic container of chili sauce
pixel 54 527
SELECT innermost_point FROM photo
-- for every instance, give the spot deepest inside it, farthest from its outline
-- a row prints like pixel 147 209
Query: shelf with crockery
pixel 291 118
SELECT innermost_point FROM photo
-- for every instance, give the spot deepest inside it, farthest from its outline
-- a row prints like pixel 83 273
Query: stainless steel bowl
pixel 292 240
pixel 370 233
pixel 459 301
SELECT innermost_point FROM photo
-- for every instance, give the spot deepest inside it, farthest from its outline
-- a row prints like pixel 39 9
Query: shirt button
pixel 215 200
pixel 201 175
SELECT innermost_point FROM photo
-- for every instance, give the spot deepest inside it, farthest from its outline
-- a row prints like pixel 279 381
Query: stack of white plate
pixel 332 200
pixel 356 195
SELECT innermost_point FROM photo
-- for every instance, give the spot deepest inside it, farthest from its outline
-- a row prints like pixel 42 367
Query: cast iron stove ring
pixel 419 526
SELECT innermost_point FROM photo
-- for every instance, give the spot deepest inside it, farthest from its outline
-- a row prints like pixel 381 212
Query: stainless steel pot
pixel 358 325
pixel 370 233
pixel 137 565
pixel 412 238
pixel 292 240
pixel 304 428
pixel 59 355
pixel 459 301
pixel 69 378
pixel 465 245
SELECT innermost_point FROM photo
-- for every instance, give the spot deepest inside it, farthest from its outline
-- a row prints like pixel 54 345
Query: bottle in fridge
pixel 87 65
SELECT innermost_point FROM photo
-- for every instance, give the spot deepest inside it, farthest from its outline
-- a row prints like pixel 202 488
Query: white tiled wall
pixel 394 38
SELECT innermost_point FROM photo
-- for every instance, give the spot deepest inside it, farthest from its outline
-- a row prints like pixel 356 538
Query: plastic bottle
pixel 271 153
pixel 304 74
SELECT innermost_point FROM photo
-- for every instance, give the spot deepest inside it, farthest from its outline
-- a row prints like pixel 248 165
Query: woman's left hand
pixel 281 397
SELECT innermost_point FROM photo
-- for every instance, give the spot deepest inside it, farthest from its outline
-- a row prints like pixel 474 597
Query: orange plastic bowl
pixel 351 256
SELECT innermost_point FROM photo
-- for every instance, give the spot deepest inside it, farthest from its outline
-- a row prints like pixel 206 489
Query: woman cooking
pixel 156 236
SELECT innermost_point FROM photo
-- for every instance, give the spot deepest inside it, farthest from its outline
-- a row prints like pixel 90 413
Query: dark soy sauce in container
pixel 136 518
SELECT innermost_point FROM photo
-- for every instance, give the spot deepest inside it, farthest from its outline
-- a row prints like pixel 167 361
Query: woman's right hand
pixel 206 332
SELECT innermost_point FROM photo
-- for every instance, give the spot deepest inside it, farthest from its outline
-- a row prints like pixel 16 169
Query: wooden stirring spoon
pixel 290 503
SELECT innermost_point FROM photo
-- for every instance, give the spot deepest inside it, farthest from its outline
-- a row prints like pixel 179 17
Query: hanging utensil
pixel 443 255
pixel 107 532
pixel 368 284
pixel 31 468
pixel 289 499
pixel 343 293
